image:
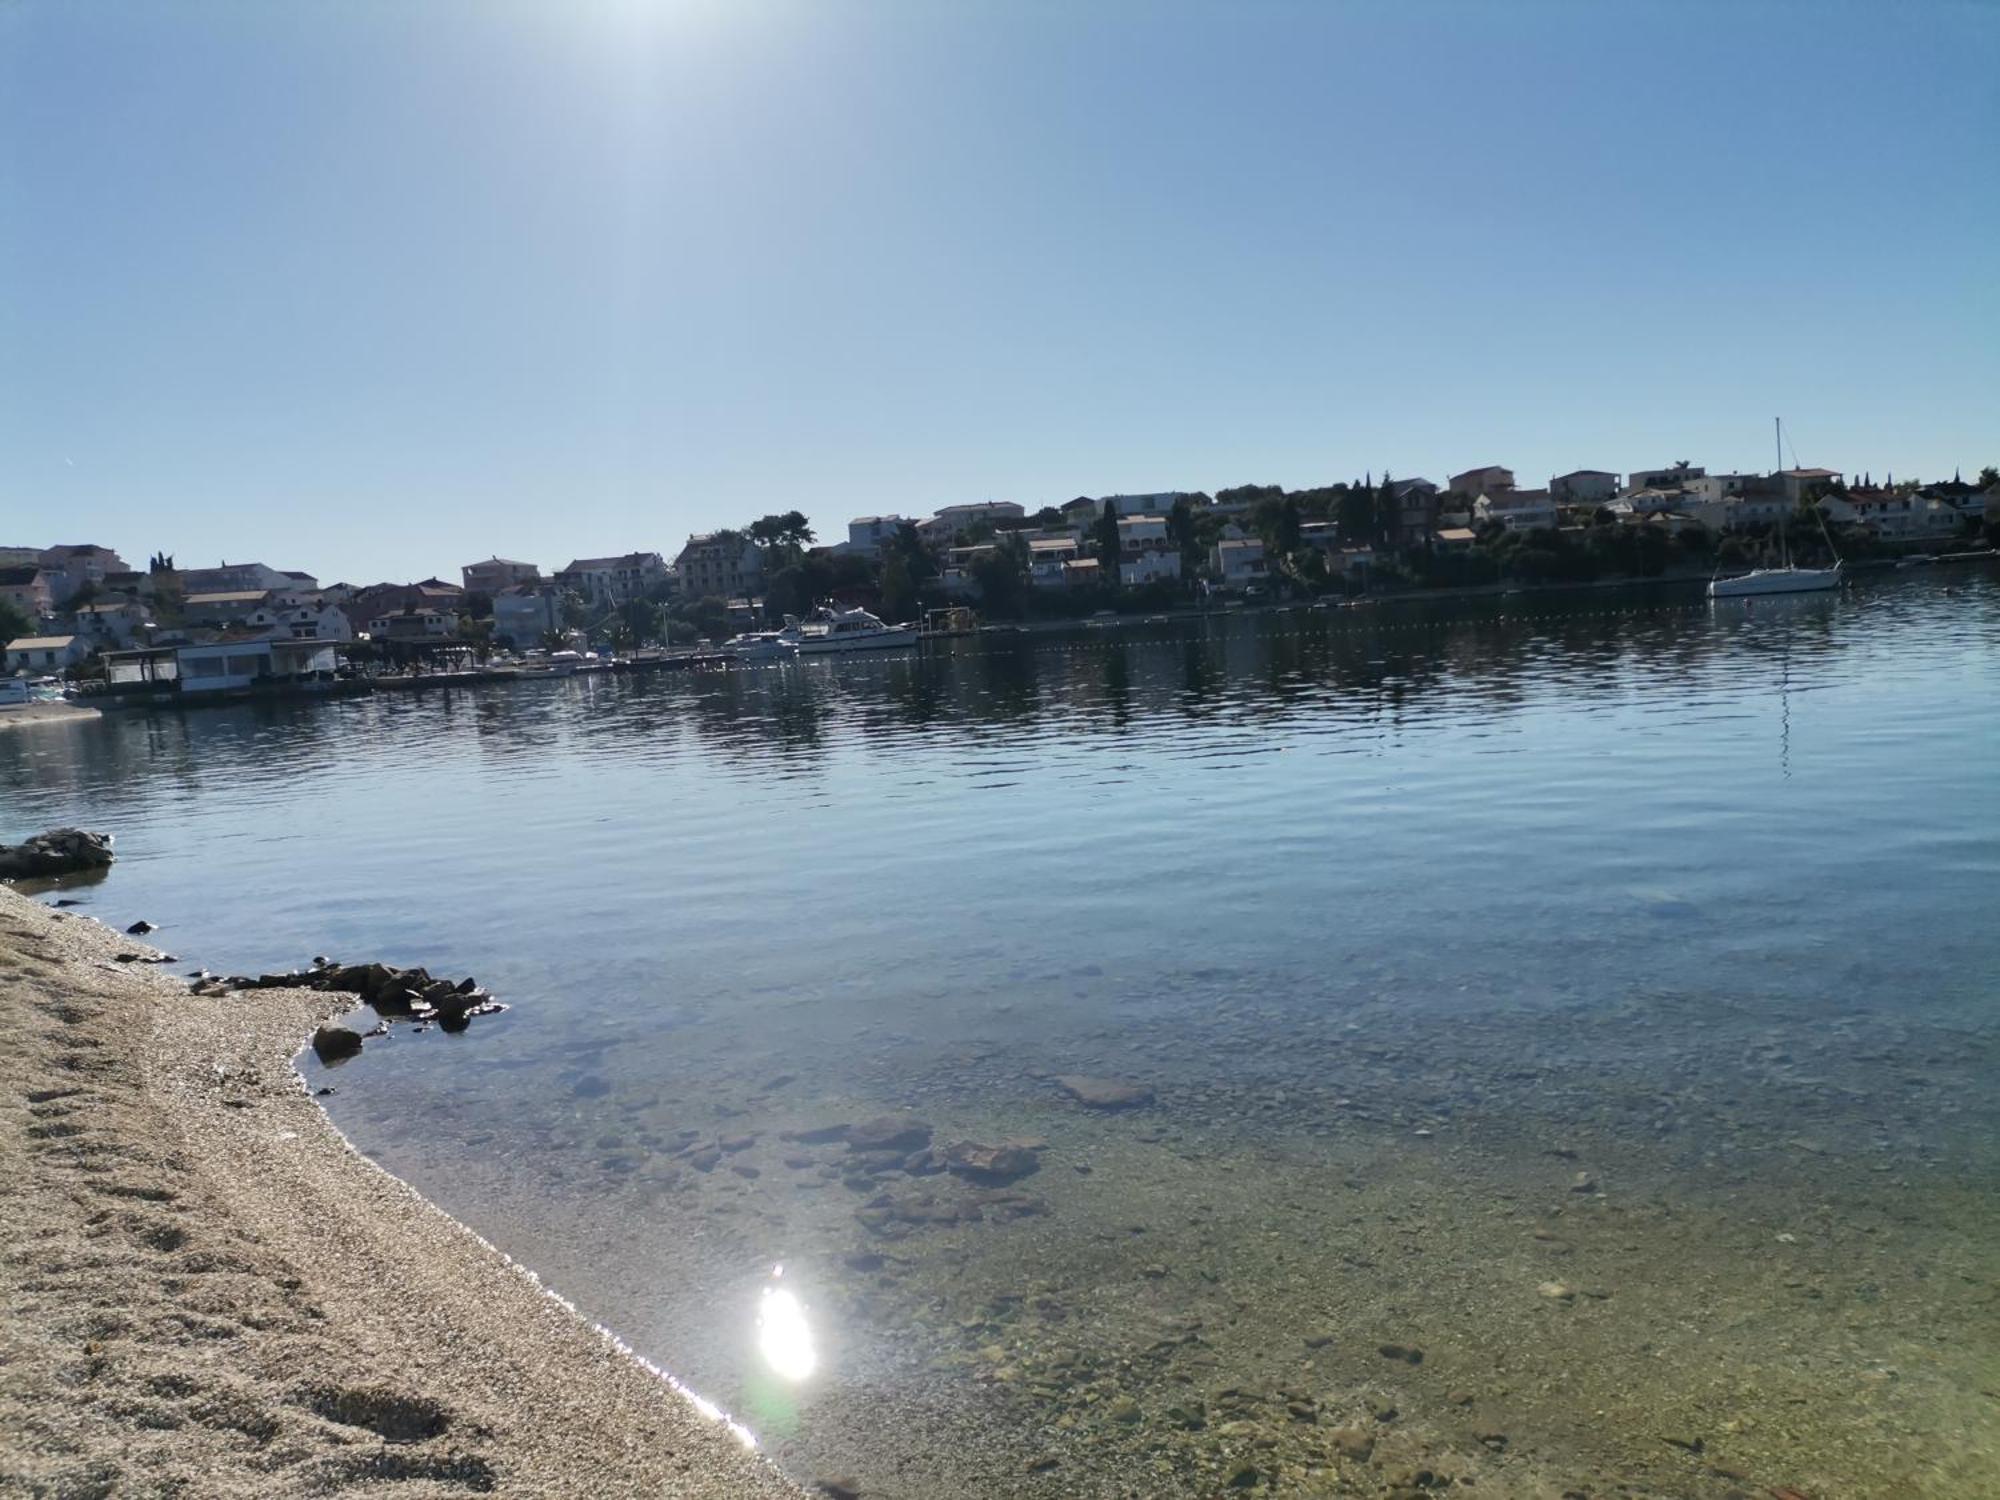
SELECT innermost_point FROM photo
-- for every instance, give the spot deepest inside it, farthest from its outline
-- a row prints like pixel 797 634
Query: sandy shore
pixel 209 1293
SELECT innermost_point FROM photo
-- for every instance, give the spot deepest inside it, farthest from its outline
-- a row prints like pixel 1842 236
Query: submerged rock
pixel 1002 1163
pixel 1104 1093
pixel 60 851
pixel 335 1043
pixel 141 928
pixel 898 1133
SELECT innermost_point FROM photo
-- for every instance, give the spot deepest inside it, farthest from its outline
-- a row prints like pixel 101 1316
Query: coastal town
pixel 79 618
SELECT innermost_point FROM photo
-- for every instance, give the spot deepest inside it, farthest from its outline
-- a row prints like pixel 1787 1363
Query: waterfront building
pixel 233 663
pixel 718 565
pixel 46 653
pixel 496 574
pixel 301 622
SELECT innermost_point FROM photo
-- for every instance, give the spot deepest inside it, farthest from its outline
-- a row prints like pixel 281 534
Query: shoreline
pixel 209 1288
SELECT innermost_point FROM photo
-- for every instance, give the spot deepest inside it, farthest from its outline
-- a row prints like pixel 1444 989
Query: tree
pixel 1002 576
pixel 1989 477
pixel 642 620
pixel 1105 534
pixel 1184 529
pixel 575 611
pixel 13 623
pixel 782 539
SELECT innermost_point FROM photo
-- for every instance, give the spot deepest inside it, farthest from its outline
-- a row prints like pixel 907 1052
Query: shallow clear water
pixel 1596 995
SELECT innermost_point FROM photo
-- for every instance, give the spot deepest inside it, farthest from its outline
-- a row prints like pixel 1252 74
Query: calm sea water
pixel 1598 996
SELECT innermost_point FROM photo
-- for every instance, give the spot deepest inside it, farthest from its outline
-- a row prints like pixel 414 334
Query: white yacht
pixel 760 646
pixel 828 630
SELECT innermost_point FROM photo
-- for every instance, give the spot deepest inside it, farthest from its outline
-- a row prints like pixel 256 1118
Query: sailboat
pixel 1785 578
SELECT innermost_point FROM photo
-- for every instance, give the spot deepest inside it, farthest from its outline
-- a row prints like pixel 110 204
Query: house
pixel 1047 557
pixel 414 623
pixel 361 606
pixel 76 566
pixel 1708 488
pixel 301 622
pixel 951 522
pixel 110 622
pixel 1140 505
pixel 718 564
pixel 235 662
pixel 1583 487
pixel 496 574
pixel 1147 553
pixel 1238 562
pixel 26 586
pixel 46 653
pixel 1895 514
pixel 1456 539
pixel 1797 482
pixel 224 608
pixel 1492 479
pixel 525 613
pixel 1082 573
pixel 236 578
pixel 868 534
pixel 1414 504
pixel 1517 510
pixel 1674 478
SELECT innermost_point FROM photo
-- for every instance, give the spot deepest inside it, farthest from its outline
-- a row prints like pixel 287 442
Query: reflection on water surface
pixel 1569 1031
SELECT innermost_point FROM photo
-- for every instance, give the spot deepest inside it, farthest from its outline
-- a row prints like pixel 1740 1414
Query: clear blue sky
pixel 377 288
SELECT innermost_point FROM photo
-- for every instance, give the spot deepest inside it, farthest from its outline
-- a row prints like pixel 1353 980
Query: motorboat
pixel 829 630
pixel 551 664
pixel 760 646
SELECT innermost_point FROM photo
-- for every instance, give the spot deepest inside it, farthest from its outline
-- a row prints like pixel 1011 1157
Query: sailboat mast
pixel 1784 529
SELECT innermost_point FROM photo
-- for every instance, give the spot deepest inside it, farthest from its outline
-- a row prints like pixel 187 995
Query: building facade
pixel 497 573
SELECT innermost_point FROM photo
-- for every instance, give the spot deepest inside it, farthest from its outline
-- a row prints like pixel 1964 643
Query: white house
pixel 497 573
pixel 1517 510
pixel 110 622
pixel 867 534
pixel 1140 505
pixel 46 653
pixel 1583 487
pixel 1238 562
pixel 76 566
pixel 1676 477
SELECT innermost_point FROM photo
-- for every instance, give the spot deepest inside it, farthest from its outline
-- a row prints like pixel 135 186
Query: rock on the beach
pixel 60 851
pixel 1104 1093
pixel 141 928
pixel 889 1133
pixel 335 1043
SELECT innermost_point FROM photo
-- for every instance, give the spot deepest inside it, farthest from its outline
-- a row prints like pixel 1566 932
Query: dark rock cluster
pixel 60 851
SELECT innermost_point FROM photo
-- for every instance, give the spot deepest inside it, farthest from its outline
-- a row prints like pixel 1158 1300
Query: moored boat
pixel 828 630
